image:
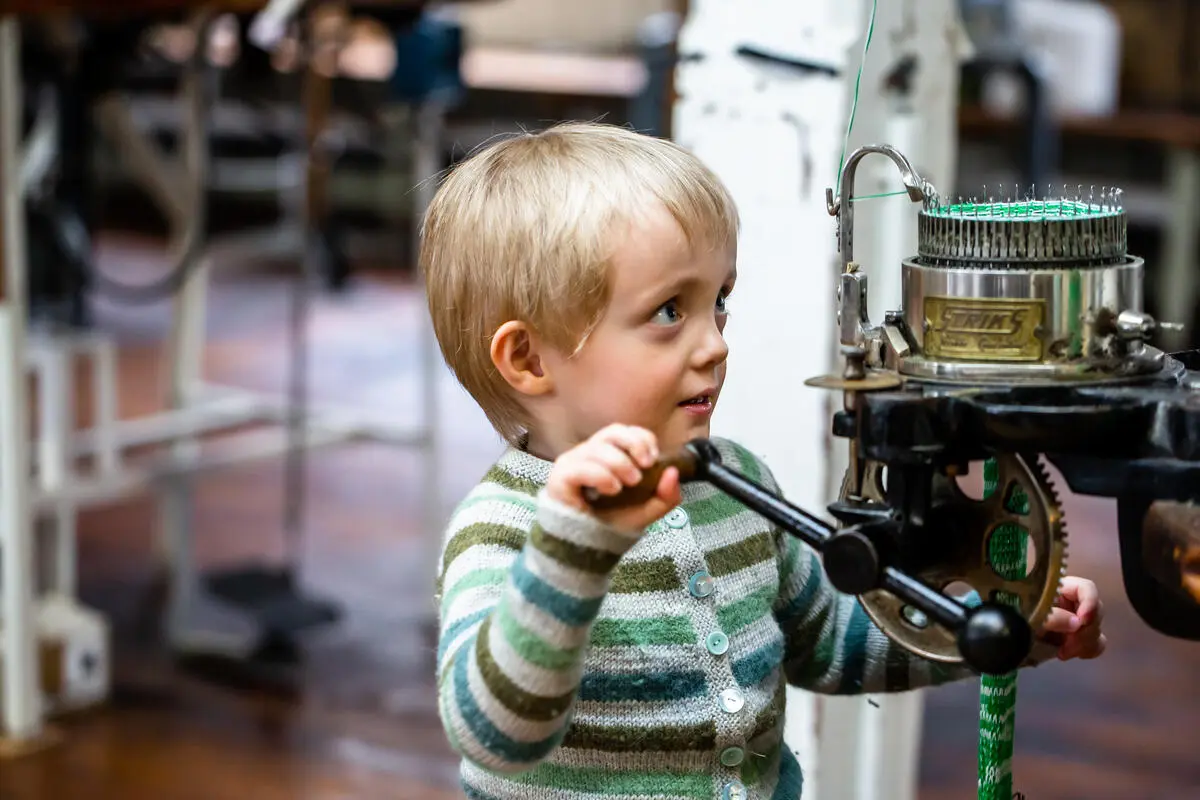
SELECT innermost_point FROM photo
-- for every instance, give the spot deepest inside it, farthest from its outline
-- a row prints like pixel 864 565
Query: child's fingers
pixel 594 474
pixel 666 497
pixel 638 442
pixel 668 487
pixel 1061 620
pixel 618 461
pixel 1081 596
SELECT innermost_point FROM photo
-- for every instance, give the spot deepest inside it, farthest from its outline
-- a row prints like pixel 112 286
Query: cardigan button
pixel 701 584
pixel 735 790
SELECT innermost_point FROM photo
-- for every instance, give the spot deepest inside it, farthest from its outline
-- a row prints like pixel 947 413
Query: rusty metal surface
pixel 1171 546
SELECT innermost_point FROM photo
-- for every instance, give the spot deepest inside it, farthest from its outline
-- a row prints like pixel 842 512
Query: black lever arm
pixel 993 638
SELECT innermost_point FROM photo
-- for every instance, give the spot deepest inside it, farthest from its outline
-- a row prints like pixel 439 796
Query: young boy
pixel 578 280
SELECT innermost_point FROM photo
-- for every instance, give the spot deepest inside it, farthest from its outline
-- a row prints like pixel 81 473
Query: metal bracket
pixel 855 324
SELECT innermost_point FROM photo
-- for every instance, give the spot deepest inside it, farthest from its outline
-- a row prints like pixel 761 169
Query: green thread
pixel 857 87
pixel 998 693
pixel 874 196
pixel 1029 209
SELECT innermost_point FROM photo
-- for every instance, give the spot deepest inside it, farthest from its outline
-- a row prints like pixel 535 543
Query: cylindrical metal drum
pixel 1019 291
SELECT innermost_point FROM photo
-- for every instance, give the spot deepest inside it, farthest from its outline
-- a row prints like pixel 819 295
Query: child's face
pixel 659 346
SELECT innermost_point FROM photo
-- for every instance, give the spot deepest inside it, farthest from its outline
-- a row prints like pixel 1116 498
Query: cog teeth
pixel 1058 531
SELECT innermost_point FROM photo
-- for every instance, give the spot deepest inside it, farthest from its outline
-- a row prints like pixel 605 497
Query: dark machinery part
pixel 955 550
pixel 992 638
pixel 1021 337
pixel 1021 333
pixel 1171 546
pixel 1139 444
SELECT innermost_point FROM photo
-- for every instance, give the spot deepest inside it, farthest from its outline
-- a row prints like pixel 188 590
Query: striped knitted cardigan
pixel 576 662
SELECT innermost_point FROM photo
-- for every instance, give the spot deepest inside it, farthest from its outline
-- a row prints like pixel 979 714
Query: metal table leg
pixel 428 137
pixel 196 623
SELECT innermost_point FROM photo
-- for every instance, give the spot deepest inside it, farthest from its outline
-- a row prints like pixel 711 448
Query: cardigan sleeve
pixel 521 580
pixel 831 646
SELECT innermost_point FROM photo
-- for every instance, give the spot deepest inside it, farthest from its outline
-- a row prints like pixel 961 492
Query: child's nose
pixel 714 348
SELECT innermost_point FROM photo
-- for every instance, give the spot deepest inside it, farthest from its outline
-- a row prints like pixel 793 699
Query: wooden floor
pixel 365 724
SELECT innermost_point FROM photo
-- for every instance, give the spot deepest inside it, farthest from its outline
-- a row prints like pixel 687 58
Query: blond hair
pixel 525 230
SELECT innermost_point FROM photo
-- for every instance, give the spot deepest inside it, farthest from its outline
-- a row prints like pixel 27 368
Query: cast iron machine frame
pixel 1021 339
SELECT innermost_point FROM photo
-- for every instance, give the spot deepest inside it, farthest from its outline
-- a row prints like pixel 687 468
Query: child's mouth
pixel 701 404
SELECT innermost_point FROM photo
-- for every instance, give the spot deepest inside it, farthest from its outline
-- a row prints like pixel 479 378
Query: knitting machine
pixel 1021 338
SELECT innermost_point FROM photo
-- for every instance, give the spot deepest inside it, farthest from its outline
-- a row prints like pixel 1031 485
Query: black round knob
pixel 851 562
pixel 995 639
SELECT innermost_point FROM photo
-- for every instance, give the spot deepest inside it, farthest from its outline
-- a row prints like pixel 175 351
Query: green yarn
pixel 1031 209
pixel 998 693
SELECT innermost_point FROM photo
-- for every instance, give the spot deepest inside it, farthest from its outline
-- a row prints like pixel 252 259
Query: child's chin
pixel 696 429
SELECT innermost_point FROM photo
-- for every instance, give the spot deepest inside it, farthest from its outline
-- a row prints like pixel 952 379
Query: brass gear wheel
pixel 969 561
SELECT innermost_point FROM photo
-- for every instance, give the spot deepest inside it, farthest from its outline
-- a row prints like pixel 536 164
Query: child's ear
pixel 516 354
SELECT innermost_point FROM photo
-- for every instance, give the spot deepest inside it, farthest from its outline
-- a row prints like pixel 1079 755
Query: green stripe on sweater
pixel 741 554
pixel 642 632
pixel 516 483
pixel 514 698
pixel 746 611
pixel 772 714
pixel 618 782
pixel 532 647
pixel 790 560
pixel 482 533
pixel 712 510
pixel 473 580
pixel 501 496
pixel 632 577
pixel 817 661
pixel 642 738
pixel 748 463
pixel 586 559
pixel 895 676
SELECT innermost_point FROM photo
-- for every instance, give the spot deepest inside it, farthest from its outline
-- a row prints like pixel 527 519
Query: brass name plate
pixel 983 329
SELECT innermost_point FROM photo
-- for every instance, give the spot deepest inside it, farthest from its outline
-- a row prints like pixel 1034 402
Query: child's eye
pixel 667 313
pixel 723 302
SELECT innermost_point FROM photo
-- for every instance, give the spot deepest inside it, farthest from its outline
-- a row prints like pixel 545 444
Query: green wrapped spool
pixel 998 693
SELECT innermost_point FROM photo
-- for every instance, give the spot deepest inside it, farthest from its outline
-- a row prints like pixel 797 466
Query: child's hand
pixel 1074 623
pixel 609 461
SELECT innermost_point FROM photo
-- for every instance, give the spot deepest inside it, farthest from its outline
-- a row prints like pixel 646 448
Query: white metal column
pixel 1177 280
pixel 21 698
pixel 775 134
pixel 428 138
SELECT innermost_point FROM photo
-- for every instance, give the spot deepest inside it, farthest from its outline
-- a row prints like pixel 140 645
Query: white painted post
pixel 56 403
pixel 428 126
pixel 21 719
pixel 776 135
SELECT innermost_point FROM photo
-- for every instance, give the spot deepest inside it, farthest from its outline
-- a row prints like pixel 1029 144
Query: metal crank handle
pixel 699 460
pixel 992 638
pixel 685 460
